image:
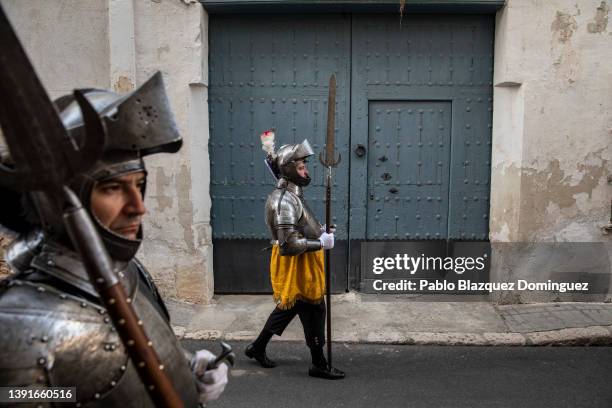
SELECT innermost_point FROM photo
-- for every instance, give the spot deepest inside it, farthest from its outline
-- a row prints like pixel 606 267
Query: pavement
pixel 394 376
pixel 396 319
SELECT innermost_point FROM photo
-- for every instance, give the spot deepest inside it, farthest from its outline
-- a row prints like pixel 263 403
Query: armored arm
pixel 291 242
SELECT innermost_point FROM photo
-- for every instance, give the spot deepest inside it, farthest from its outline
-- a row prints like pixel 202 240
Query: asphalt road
pixel 423 376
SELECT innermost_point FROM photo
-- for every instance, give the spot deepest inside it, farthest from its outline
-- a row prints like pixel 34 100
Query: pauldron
pixel 57 333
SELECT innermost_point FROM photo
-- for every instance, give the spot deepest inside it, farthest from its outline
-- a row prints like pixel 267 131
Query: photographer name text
pixel 466 285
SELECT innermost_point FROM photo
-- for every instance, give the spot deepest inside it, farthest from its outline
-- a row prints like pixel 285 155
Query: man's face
pixel 301 168
pixel 118 203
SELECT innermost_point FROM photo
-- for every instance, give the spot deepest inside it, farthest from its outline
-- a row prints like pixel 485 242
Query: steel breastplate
pixel 54 337
pixel 287 198
pixel 308 224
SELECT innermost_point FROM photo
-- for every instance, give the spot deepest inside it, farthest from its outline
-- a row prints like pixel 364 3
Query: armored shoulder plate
pixel 56 338
pixel 23 249
pixel 289 209
pixel 282 208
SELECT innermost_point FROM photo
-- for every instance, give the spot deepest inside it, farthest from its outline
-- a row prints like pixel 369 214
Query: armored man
pixel 56 331
pixel 296 264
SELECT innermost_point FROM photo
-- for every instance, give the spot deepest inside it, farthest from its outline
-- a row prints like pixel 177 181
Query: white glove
pixel 332 228
pixel 327 240
pixel 210 383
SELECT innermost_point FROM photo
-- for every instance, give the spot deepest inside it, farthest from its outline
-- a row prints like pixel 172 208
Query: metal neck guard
pixel 288 185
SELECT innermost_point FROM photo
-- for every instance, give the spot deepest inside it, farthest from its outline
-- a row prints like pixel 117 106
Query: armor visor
pixel 290 153
pixel 141 121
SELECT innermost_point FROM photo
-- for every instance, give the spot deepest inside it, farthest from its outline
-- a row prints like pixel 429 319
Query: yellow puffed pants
pixel 297 277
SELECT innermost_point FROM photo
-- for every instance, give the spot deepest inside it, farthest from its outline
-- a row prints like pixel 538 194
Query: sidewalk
pixel 388 319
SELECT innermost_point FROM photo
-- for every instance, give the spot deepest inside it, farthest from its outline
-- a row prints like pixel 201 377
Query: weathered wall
pixel 118 44
pixel 552 128
pixel 552 125
pixel 171 36
pixel 67 41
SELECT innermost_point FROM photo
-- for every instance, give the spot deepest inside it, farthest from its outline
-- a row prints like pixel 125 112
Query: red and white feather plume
pixel 267 142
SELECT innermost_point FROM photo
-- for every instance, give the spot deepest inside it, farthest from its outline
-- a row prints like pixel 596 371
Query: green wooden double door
pixel 413 126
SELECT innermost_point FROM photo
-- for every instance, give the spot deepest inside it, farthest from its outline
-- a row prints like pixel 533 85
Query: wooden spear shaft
pixel 328 267
pixel 329 161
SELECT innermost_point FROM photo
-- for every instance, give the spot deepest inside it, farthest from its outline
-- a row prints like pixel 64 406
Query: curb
pixel 585 336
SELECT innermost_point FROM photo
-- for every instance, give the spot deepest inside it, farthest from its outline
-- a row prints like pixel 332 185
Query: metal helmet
pixel 137 124
pixel 286 158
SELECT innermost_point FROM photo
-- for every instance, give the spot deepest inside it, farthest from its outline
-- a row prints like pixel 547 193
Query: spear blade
pixel 330 144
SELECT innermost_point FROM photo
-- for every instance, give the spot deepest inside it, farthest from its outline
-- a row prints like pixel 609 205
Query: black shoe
pixel 261 358
pixel 325 372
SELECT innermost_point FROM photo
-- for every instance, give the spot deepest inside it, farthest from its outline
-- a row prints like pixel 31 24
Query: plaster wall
pixel 552 140
pixel 171 36
pixel 67 41
pixel 552 135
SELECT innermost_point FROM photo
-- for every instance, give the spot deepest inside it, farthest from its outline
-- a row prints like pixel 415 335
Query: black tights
pixel 313 321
